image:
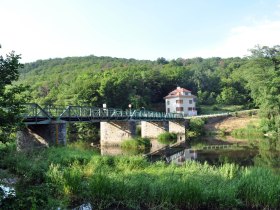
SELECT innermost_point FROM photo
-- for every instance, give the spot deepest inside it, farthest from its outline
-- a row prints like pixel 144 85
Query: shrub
pixel 136 143
pixel 196 127
pixel 167 138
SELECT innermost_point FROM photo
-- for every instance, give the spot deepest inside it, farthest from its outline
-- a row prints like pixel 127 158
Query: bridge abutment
pixel 153 129
pixel 178 127
pixel 114 132
pixel 41 135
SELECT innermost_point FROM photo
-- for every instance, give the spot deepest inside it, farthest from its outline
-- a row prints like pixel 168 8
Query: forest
pixel 95 80
pixel 251 82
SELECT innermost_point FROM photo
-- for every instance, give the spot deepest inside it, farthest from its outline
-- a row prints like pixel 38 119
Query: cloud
pixel 242 38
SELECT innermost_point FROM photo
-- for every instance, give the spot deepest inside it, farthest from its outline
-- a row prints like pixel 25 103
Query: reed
pixel 67 177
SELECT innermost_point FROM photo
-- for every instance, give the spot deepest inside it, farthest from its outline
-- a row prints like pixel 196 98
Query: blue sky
pixel 140 29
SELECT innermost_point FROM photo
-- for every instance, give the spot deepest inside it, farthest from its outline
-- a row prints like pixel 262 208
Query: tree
pixel 162 61
pixel 11 97
pixel 263 76
pixel 229 95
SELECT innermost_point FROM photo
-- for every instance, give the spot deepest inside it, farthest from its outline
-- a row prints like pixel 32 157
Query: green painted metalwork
pixel 35 114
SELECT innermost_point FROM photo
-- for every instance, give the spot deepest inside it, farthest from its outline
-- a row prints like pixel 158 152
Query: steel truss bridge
pixel 35 114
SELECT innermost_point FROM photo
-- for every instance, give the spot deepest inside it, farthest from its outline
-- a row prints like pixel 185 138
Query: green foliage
pixel 196 127
pixel 219 108
pixel 136 143
pixel 167 138
pixel 263 76
pixel 117 82
pixel 251 131
pixel 68 176
pixel 11 97
pixel 229 95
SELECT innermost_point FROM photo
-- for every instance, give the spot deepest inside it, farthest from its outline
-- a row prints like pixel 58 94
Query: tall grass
pixel 67 177
pixel 167 138
pixel 136 143
pixel 251 131
pixel 135 183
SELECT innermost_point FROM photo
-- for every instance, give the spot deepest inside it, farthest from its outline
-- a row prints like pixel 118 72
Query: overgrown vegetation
pixel 195 128
pixel 251 131
pixel 167 138
pixel 136 143
pixel 67 177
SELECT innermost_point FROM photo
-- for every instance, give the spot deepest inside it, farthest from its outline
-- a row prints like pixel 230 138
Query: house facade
pixel 182 101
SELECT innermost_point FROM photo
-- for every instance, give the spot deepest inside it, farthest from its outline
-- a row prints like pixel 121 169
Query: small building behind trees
pixel 182 101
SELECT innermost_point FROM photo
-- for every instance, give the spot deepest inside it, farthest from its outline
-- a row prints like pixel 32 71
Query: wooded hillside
pixel 95 80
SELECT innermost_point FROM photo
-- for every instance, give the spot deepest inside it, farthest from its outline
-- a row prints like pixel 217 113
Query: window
pixel 179 101
pixel 168 102
pixel 168 110
pixel 179 109
pixel 190 101
pixel 190 109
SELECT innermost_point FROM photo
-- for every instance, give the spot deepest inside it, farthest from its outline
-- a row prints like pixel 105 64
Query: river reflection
pixel 263 152
pixel 117 150
pixel 248 152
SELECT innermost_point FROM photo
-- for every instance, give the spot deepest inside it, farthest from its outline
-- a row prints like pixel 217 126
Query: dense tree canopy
pixel 263 79
pixel 11 97
pixel 118 82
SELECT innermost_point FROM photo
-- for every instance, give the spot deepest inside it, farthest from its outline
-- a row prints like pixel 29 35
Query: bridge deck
pixel 35 114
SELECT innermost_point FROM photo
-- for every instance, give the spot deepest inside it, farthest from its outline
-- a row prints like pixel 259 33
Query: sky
pixel 140 29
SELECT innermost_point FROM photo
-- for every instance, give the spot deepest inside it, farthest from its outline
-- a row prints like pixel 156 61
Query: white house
pixel 180 100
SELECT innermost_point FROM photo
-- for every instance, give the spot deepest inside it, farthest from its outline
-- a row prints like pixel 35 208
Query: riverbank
pixel 219 132
pixel 69 176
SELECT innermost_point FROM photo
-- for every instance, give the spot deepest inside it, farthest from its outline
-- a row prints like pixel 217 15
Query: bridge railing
pixel 54 111
pixel 86 113
pixel 93 112
pixel 35 112
pixel 154 115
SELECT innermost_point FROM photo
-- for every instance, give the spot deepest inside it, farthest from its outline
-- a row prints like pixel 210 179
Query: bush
pixel 196 127
pixel 136 143
pixel 167 138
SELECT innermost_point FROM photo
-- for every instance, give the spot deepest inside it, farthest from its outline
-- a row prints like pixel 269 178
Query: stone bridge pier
pixel 41 135
pixel 112 133
pixel 152 129
pixel 178 127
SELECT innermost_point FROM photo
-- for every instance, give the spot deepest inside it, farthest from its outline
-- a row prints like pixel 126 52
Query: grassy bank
pixel 68 176
pixel 251 131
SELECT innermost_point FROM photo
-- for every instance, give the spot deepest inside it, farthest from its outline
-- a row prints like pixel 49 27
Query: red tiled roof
pixel 177 92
